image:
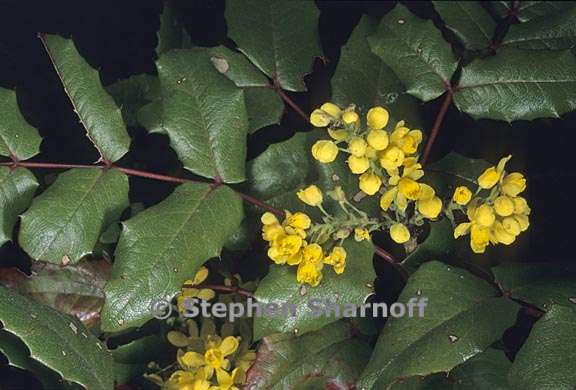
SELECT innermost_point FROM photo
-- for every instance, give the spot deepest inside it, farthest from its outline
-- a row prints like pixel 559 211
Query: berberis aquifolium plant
pixel 286 179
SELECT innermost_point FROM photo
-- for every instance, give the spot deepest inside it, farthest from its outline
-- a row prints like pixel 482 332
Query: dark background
pixel 118 38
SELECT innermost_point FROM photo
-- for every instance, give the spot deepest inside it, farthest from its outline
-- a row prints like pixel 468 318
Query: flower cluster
pixel 497 214
pixel 288 245
pixel 385 160
pixel 206 360
pixel 190 291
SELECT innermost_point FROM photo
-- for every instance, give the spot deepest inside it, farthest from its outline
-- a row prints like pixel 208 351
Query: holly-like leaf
pixel 204 115
pixel 331 357
pixel 280 38
pixel 507 87
pixel 263 104
pixel 58 341
pixel 540 284
pixel 528 10
pixel 64 223
pixel 546 360
pixel 280 287
pixel 485 371
pixel 171 34
pixel 416 51
pixel 96 109
pixel 17 137
pixel 163 246
pixel 133 93
pixel 464 316
pixel 17 188
pixel 555 32
pixel 362 78
pixel 471 23
pixel 77 289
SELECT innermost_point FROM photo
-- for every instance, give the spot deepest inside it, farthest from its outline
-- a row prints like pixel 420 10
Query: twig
pixel 276 87
pixel 437 123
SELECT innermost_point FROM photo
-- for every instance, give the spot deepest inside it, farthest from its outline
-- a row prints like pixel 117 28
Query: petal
pixel 224 379
pixel 229 345
pixel 193 359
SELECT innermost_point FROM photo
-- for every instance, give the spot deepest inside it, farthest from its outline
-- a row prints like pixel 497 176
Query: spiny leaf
pixel 163 246
pixel 330 357
pixel 280 38
pixel 17 188
pixel 17 137
pixel 96 109
pixel 77 290
pixel 469 21
pixel 555 32
pixel 58 341
pixel 507 87
pixel 540 284
pixel 464 316
pixel 204 115
pixel 362 78
pixel 280 287
pixel 64 223
pixel 416 51
pixel 546 360
pixel 263 104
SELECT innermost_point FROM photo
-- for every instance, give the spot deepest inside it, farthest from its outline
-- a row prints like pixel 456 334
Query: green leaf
pixel 485 371
pixel 471 23
pixel 555 32
pixel 77 289
pixel 17 137
pixel 133 93
pixel 455 170
pixel 163 246
pixel 331 357
pixel 171 34
pixel 540 284
pixel 280 287
pixel 362 78
pixel 280 38
pixel 58 341
pixel 416 51
pixel 263 104
pixel 18 356
pixel 507 87
pixel 439 245
pixel 528 10
pixel 546 360
pixel 17 188
pixel 96 109
pixel 204 115
pixel 464 316
pixel 64 223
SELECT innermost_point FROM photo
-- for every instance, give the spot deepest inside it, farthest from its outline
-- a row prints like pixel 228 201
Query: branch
pixel 276 87
pixel 437 124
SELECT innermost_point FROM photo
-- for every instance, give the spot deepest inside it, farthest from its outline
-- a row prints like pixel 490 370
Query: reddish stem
pixel 155 176
pixel 437 124
pixel 229 289
pixel 24 164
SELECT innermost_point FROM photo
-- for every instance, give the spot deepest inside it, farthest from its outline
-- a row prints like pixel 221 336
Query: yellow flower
pixel 521 206
pixel 377 118
pixel 298 220
pixel 430 207
pixel 269 219
pixel 186 380
pixel 337 259
pixel 215 355
pixel 370 183
pixel 272 232
pixel 462 229
pixel 371 153
pixel 391 158
pixel 409 188
pixel 311 195
pixel 405 139
pixel 325 151
pixel 338 134
pixel 331 109
pixel 513 184
pixel 399 233
pixel 504 206
pixel 491 176
pixel 377 139
pixel 357 146
pixel 522 221
pixel 309 273
pixel 350 117
pixel 190 292
pixel 484 215
pixel 399 194
pixel 312 254
pixel 227 381
pixel 358 165
pixel 361 234
pixel 479 238
pixel 500 234
pixel 462 195
pixel 511 225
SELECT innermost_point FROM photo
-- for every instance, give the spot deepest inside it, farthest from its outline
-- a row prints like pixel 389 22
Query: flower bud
pixel 331 109
pixel 319 118
pixel 484 215
pixel 399 233
pixel 324 151
pixel 489 178
pixel 430 208
pixel 370 183
pixel 513 184
pixel 462 195
pixel 377 118
pixel 504 206
pixel 358 165
pixel 378 139
pixel 357 146
pixel 350 117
